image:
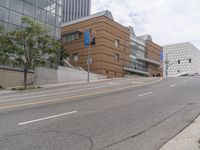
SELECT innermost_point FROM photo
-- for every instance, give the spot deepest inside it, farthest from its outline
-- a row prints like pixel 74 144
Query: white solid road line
pixel 52 94
pixel 137 82
pixel 145 94
pixel 46 118
pixel 173 85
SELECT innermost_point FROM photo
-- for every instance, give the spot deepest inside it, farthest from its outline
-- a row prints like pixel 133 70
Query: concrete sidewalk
pixel 75 83
pixel 6 91
pixel 188 139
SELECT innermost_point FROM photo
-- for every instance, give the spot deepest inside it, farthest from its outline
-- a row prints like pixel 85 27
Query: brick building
pixel 111 52
pixel 111 56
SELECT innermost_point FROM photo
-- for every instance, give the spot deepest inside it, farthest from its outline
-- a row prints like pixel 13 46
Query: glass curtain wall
pixel 138 50
pixel 46 12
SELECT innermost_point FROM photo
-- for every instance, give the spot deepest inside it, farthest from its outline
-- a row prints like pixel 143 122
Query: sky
pixel 167 21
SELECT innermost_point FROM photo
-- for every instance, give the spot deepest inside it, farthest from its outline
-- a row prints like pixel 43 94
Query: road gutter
pixel 188 139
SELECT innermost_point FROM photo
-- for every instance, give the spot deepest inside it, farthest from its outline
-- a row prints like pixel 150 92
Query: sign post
pixel 87 44
pixel 89 39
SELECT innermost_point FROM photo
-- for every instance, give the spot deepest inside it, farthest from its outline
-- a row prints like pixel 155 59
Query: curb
pixel 188 139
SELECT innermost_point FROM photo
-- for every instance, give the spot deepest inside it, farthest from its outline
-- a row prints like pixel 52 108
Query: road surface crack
pixel 143 131
pixel 6 138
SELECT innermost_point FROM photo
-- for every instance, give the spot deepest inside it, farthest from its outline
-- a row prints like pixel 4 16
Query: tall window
pixel 116 43
pixel 116 57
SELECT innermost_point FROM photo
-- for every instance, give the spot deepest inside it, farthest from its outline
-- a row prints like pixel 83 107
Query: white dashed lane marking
pixel 144 94
pixel 173 85
pixel 47 118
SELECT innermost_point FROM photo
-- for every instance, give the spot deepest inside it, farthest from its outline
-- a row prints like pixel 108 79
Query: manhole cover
pixel 45 141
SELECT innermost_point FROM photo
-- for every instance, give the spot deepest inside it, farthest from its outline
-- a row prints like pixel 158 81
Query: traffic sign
pixel 87 38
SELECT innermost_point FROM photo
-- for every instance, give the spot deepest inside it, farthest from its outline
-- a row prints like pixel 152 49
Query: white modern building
pixel 75 9
pixel 181 58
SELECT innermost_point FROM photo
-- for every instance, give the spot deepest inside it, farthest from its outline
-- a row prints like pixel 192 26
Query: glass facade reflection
pixel 46 12
pixel 138 50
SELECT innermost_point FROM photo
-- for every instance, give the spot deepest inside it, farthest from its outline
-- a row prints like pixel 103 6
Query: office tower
pixel 75 9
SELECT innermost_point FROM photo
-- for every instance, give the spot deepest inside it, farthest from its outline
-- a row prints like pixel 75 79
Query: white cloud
pixel 168 21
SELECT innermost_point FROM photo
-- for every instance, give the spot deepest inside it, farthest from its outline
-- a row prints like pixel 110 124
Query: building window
pixel 31 1
pixel 116 43
pixel 190 60
pixel 40 14
pixel 70 37
pixel 4 14
pixel 29 9
pixel 179 61
pixel 116 57
pixel 75 57
pixel 4 3
pixel 17 5
pixel 15 18
pixel 42 4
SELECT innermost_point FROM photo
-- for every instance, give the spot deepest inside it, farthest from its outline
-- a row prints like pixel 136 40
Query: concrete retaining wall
pixel 14 77
pixel 62 75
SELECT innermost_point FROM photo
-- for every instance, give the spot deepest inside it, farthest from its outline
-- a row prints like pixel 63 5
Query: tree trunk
pixel 25 78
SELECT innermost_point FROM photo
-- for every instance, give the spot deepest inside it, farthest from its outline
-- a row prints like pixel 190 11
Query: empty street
pixel 118 114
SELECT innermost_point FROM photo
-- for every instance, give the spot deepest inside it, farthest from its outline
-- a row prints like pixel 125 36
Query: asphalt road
pixel 121 114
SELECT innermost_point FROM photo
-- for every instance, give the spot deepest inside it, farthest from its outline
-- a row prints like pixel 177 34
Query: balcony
pixel 149 61
pixel 133 69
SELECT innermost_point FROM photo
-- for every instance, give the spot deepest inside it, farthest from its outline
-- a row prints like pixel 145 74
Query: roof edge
pixel 105 13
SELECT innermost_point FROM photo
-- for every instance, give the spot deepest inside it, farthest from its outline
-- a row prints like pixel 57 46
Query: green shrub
pixel 28 88
pixel 21 88
pixel 14 89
